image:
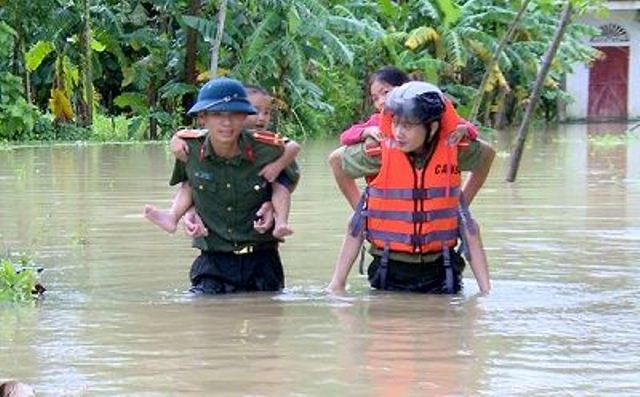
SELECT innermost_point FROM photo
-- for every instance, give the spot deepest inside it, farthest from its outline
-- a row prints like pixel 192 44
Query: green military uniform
pixel 227 193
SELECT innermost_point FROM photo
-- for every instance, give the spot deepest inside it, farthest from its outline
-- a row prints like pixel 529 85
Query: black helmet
pixel 222 95
pixel 416 100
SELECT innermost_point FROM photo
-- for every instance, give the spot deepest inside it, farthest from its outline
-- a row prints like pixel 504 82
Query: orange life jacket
pixel 414 210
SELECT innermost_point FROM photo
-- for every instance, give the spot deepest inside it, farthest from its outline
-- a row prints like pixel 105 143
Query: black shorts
pixel 225 272
pixel 427 278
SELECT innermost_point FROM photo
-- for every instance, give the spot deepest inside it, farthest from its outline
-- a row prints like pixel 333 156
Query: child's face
pixel 379 90
pixel 201 119
pixel 263 104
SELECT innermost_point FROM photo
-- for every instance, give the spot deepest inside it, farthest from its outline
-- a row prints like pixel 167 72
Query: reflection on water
pixel 563 317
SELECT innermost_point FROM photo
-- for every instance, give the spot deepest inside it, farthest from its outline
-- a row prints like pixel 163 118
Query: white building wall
pixel 578 81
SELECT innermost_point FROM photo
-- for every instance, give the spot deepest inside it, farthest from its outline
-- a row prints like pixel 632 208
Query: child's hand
pixel 372 132
pixel 179 148
pixel 264 218
pixel 458 134
pixel 271 171
pixel 193 225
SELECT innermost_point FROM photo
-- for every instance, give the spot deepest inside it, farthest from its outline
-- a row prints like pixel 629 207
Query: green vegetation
pixel 18 280
pixel 109 70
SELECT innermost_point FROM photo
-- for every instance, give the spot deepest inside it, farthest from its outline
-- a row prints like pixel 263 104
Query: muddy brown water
pixel 563 318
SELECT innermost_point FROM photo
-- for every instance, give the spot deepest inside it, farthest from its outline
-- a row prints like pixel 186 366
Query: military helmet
pixel 222 95
pixel 417 101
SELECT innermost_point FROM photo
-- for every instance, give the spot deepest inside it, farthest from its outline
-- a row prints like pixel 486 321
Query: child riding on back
pixel 381 83
pixel 281 196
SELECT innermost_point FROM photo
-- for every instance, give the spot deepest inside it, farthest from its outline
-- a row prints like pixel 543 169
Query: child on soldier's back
pixel 381 83
pixel 281 196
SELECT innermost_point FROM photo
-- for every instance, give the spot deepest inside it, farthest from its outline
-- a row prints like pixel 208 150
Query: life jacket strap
pixel 361 262
pixel 357 223
pixel 449 271
pixel 410 216
pixel 412 194
pixel 411 239
pixel 384 266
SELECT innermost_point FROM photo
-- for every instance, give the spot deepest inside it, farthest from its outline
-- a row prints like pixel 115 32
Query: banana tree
pixel 17 116
pixel 282 44
pixel 66 73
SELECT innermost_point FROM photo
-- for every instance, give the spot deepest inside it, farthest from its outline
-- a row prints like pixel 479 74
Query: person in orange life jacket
pixel 281 197
pixel 380 84
pixel 412 209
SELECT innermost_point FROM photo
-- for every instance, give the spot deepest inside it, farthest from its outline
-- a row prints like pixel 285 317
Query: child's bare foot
pixel 164 219
pixel 281 230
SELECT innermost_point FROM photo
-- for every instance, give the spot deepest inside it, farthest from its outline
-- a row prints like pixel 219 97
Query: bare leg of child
pixel 281 199
pixel 168 220
pixel 347 185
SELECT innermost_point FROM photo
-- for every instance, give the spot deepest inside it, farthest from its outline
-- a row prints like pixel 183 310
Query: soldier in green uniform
pixel 223 168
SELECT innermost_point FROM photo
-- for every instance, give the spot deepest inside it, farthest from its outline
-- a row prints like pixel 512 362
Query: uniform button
pixel 229 209
pixel 228 186
pixel 256 187
pixel 229 230
pixel 200 187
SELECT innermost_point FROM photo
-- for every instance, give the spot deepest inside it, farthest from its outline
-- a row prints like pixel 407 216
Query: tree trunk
pixel 190 75
pixel 27 77
pixel 152 99
pixel 215 49
pixel 20 63
pixel 537 90
pixel 494 59
pixel 500 118
pixel 85 116
pixel 561 104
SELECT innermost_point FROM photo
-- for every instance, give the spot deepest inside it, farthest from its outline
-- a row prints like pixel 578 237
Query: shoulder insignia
pixel 191 134
pixel 372 149
pixel 269 138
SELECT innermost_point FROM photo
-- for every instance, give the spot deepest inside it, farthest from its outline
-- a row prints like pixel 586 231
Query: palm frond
pixel 338 48
pixel 420 36
pixel 37 53
pixel 261 35
pixel 456 51
pixel 203 26
pixel 427 8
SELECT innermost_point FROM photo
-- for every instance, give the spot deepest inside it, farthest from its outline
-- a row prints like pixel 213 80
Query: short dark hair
pixel 390 75
pixel 256 89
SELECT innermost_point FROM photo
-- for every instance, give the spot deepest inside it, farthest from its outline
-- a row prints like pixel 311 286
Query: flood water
pixel 563 317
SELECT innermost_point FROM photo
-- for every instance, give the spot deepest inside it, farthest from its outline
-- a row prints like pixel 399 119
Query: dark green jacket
pixel 227 193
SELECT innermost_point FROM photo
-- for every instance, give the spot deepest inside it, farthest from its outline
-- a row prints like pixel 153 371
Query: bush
pixel 109 128
pixel 17 281
pixel 17 117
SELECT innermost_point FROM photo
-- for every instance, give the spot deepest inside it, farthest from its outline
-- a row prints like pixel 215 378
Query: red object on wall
pixel 608 84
